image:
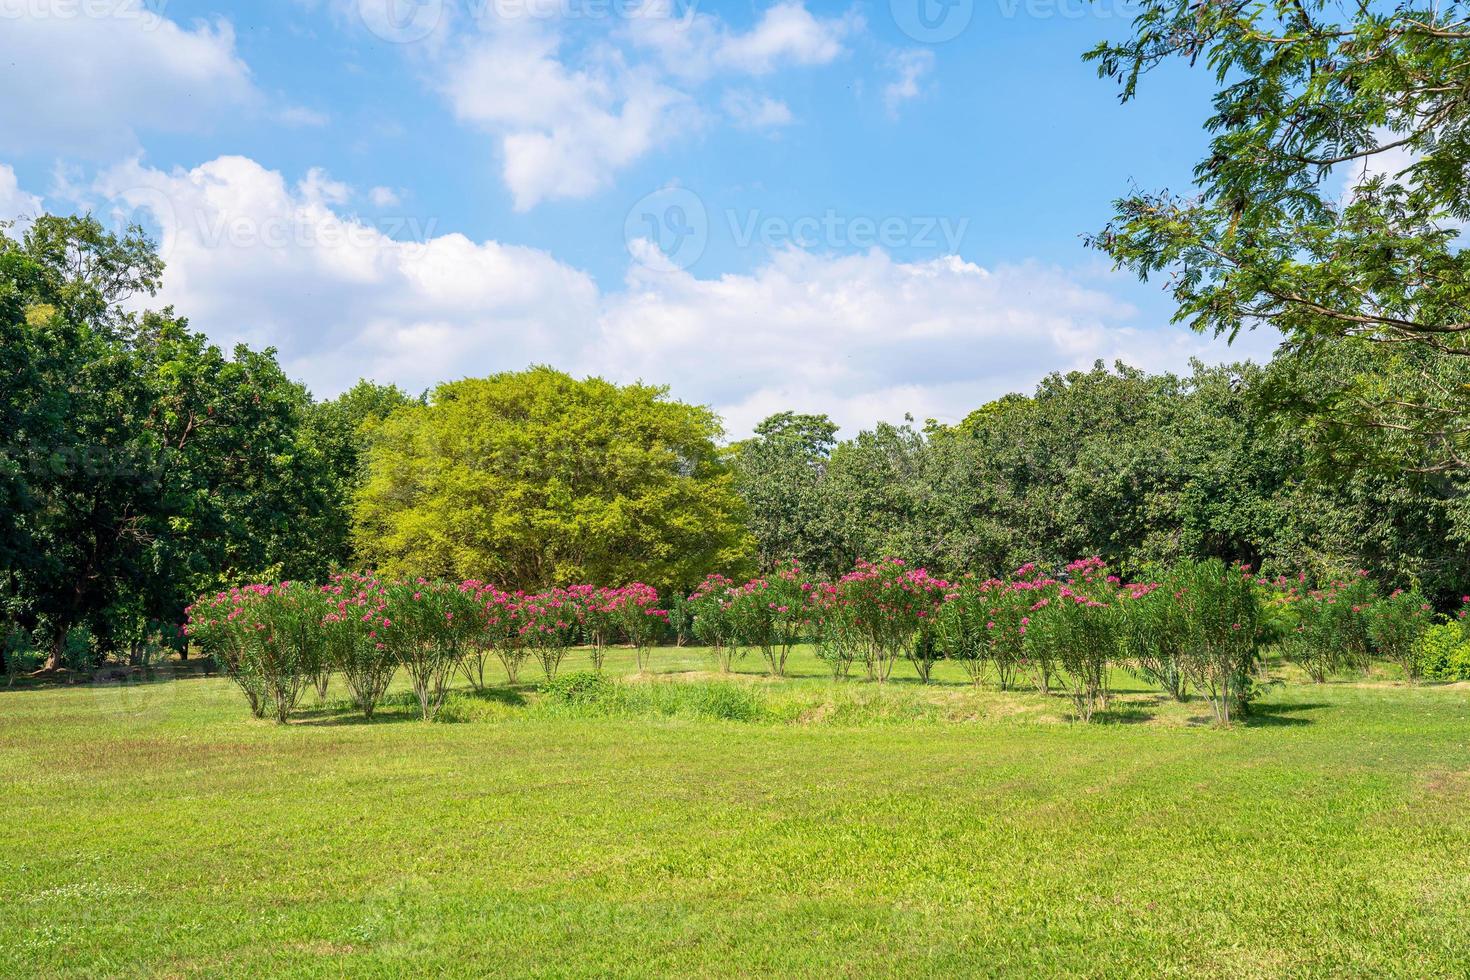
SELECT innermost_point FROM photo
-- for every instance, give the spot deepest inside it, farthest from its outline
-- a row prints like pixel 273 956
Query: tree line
pixel 141 466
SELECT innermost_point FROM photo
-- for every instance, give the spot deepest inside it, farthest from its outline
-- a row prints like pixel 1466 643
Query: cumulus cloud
pixel 569 117
pixel 254 258
pixel 564 132
pixel 96 75
pixel 15 204
pixel 866 337
pixel 863 337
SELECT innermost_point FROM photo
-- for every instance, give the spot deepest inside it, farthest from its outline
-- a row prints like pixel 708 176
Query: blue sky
pixel 821 206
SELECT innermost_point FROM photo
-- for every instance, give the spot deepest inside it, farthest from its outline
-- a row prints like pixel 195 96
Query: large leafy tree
pixel 778 472
pixel 139 463
pixel 535 478
pixel 1332 199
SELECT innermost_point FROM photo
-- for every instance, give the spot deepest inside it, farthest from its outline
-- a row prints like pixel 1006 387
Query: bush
pixel 1395 625
pixel 1442 653
pixel 769 614
pixel 419 630
pixel 1154 636
pixel 1221 608
pixel 355 609
pixel 712 621
pixel 1077 630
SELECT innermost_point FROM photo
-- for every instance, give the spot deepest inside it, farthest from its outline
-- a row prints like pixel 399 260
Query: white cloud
pixel 253 259
pixel 87 84
pixel 570 117
pixel 750 110
pixel 564 133
pixel 862 337
pixel 699 45
pixel 910 68
pixel 14 202
pixel 384 197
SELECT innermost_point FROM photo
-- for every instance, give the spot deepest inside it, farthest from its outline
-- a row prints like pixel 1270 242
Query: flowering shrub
pixel 769 614
pixel 419 629
pixel 633 612
pixel 833 626
pixel 1076 629
pixel 1154 636
pixel 1395 625
pixel 502 629
pixel 1221 610
pixel 551 623
pixel 892 609
pixel 713 624
pixel 269 638
pixel 1331 626
pixel 216 622
pixel 354 609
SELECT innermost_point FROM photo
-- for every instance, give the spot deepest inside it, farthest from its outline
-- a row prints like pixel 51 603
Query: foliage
pixel 1309 93
pixel 355 605
pixel 534 479
pixel 1221 610
pixel 1075 628
pixel 770 614
pixel 893 607
pixel 1395 625
pixel 713 623
pixel 418 627
pixel 1443 653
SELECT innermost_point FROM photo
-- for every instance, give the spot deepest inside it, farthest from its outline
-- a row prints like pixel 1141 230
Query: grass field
pixel 835 830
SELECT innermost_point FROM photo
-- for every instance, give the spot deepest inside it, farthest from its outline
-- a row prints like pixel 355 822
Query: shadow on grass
pixel 1280 715
pixel 401 707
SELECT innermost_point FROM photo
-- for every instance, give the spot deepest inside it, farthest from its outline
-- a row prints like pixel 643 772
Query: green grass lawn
pixel 840 830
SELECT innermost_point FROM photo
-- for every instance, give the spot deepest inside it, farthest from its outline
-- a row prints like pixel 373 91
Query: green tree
pixel 1330 202
pixel 779 473
pixel 139 463
pixel 534 478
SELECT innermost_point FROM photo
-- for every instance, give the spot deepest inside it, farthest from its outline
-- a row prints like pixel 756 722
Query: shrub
pixel 712 621
pixel 1442 652
pixel 355 609
pixel 835 631
pixel 1395 625
pixel 769 614
pixel 961 626
pixel 892 607
pixel 1077 630
pixel 421 633
pixel 216 622
pixel 21 655
pixel 502 629
pixel 633 612
pixel 1222 612
pixel 551 623
pixel 1154 637
pixel 282 645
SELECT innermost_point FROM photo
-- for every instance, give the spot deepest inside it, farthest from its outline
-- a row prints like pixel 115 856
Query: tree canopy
pixel 535 478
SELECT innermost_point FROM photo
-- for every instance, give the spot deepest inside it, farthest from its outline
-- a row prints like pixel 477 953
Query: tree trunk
pixel 54 659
